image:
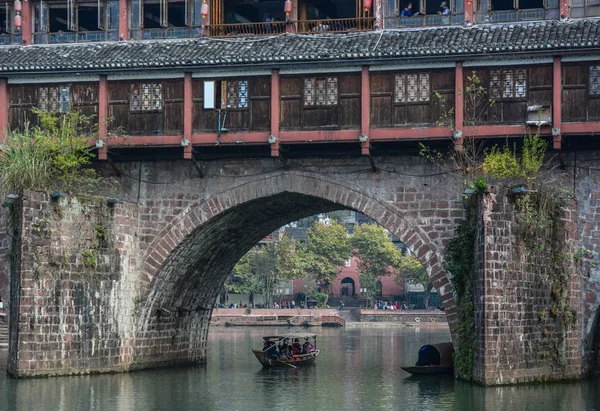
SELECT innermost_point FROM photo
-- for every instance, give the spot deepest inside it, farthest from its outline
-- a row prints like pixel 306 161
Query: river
pixel 358 369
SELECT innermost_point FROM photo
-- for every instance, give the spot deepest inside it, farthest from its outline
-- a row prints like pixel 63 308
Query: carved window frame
pixel 412 88
pixel 235 94
pixel 319 92
pixel 594 81
pixel 508 84
pixel 146 97
pixel 54 99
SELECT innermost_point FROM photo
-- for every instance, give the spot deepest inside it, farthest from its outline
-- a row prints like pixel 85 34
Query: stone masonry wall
pixel 588 197
pixel 518 337
pixel 74 301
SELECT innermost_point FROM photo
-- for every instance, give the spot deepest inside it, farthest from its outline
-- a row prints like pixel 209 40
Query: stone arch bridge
pixel 99 286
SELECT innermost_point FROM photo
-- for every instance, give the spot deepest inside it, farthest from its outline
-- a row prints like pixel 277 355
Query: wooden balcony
pixel 246 29
pixel 335 25
pixel 299 27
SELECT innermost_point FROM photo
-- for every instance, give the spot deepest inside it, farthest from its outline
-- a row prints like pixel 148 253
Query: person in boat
pixel 271 350
pixel 296 348
pixel 305 349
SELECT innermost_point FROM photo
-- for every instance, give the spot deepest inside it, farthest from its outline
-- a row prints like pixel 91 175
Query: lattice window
pixel 43 98
pixel 496 84
pixel 235 93
pixel 309 92
pixel 412 88
pixel 65 99
pixel 595 80
pixel 321 91
pixel 146 97
pixel 511 83
pixel 332 90
pixel 54 99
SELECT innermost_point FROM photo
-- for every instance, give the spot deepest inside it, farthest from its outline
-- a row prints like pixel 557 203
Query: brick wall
pixel 513 287
pixel 74 303
pixel 170 246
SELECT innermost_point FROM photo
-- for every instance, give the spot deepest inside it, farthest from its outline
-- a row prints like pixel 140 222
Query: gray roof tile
pixel 510 38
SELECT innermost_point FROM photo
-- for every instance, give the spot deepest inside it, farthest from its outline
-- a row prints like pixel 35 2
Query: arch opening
pixel 215 234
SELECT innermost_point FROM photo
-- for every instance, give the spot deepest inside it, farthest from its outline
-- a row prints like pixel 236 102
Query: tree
pixel 327 249
pixel 411 270
pixel 376 253
pixel 263 268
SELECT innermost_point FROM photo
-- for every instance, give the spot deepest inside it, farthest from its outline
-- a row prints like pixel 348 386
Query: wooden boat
pixel 435 359
pixel 272 354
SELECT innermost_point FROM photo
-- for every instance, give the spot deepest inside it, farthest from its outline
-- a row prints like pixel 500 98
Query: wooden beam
pixel 188 114
pixel 3 108
pixel 557 102
pixel 459 106
pixel 275 112
pixel 123 20
pixel 26 15
pixel 103 116
pixel 365 106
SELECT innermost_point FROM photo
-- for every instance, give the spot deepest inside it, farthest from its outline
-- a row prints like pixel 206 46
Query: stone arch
pixel 343 196
pixel 211 235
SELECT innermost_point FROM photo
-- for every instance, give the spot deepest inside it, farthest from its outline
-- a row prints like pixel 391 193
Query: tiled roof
pixel 548 36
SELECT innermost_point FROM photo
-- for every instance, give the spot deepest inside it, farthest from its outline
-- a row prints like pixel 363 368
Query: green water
pixel 358 369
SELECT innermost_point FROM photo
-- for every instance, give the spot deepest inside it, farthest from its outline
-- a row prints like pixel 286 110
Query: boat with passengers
pixel 288 350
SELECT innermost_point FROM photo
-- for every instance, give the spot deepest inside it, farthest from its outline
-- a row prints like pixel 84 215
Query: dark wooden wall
pixel 23 97
pixel 385 112
pixel 256 117
pixel 507 110
pixel 344 115
pixel 577 103
pixel 165 122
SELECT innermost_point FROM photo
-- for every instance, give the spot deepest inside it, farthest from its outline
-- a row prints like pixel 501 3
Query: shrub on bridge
pixel 54 155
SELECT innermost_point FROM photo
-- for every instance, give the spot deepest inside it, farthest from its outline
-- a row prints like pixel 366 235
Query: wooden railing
pixel 505 16
pixel 421 20
pixel 300 27
pixel 246 29
pixel 334 25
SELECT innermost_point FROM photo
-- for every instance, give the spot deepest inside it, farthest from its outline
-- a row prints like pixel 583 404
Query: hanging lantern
pixel 204 9
pixel 288 7
pixel 18 22
pixel 367 5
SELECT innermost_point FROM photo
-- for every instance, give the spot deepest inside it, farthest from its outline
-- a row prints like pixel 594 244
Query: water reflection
pixel 359 369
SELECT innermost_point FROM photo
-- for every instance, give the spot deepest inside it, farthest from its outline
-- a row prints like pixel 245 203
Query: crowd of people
pixel 285 350
pixel 386 305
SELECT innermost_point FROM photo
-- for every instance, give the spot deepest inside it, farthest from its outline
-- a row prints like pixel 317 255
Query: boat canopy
pixel 436 354
pixel 305 336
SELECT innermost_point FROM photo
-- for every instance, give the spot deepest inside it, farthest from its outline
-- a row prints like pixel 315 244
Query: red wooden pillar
pixel 27 26
pixel 102 116
pixel 275 113
pixel 378 13
pixel 469 12
pixel 459 106
pixel 557 103
pixel 365 105
pixel 123 20
pixel 564 9
pixel 3 108
pixel 188 113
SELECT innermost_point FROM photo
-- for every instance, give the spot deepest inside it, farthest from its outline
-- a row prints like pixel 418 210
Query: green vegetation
pixel 53 155
pixel 460 254
pixel 376 253
pixel 325 253
pixel 411 270
pixel 264 268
